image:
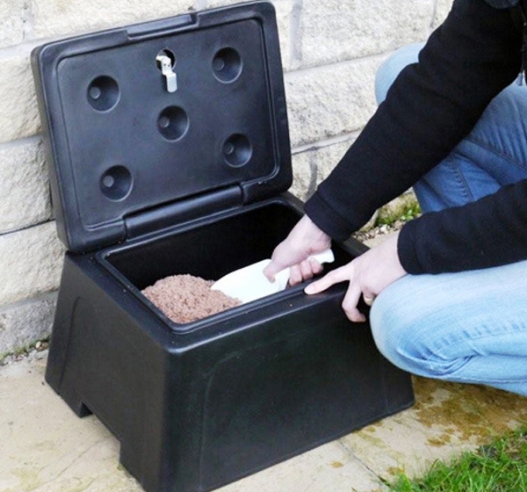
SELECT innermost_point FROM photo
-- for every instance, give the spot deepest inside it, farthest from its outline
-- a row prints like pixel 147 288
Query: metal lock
pixel 165 65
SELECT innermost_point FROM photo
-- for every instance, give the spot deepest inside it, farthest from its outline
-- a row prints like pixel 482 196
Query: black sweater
pixel 431 106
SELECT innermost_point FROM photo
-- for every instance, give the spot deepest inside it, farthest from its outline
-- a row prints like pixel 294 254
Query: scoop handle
pixel 326 256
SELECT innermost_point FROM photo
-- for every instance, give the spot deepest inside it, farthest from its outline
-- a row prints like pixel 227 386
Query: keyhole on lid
pixel 169 54
pixel 166 61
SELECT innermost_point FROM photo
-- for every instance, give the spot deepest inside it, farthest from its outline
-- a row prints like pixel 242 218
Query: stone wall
pixel 330 50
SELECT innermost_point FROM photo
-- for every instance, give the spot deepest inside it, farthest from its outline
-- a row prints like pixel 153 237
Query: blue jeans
pixel 468 326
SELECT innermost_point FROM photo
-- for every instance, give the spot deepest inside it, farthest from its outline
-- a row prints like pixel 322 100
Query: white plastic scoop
pixel 249 283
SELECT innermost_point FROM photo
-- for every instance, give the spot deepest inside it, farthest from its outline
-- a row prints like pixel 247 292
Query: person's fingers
pixel 277 263
pixel 349 304
pixel 316 267
pixel 301 241
pixel 368 296
pixel 295 275
pixel 334 277
pixel 269 272
pixel 303 271
pixel 283 258
pixel 306 270
pixel 351 299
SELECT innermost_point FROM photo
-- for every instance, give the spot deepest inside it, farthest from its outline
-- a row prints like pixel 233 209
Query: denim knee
pixel 391 329
pixel 402 329
pixel 391 68
pixel 466 326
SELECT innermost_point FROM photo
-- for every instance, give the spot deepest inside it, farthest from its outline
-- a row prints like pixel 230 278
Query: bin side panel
pixel 284 387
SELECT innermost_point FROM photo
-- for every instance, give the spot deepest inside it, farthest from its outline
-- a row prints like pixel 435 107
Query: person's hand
pixel 368 275
pixel 305 239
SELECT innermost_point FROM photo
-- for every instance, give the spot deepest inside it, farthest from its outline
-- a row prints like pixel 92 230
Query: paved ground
pixel 44 447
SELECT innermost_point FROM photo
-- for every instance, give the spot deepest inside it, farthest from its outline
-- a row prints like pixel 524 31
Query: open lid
pixel 153 120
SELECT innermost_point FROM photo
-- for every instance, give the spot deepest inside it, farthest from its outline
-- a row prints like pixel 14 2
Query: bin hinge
pixel 182 211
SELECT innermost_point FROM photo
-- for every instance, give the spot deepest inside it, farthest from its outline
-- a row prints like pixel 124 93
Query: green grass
pixel 407 211
pixel 39 345
pixel 498 467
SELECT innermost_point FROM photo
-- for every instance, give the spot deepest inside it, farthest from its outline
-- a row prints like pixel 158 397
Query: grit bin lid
pixel 162 120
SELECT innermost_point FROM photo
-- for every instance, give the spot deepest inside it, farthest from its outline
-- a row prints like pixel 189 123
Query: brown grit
pixel 185 298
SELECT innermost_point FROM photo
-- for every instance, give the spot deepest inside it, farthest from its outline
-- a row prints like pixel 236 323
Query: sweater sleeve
pixel 431 106
pixel 489 232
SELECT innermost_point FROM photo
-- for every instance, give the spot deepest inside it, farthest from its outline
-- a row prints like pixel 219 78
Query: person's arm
pixel 430 107
pixel 489 232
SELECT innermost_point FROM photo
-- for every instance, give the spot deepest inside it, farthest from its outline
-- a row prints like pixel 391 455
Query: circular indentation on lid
pixel 228 148
pixel 227 65
pixel 218 64
pixel 103 93
pixel 116 183
pixel 108 181
pixel 173 123
pixel 95 93
pixel 163 122
pixel 237 150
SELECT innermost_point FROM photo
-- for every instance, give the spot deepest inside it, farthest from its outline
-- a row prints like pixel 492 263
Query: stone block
pixel 23 185
pixel 333 31
pixel 442 9
pixel 286 13
pixel 304 175
pixel 330 101
pixel 25 322
pixel 30 263
pixel 59 18
pixel 18 105
pixel 313 165
pixel 72 17
pixel 12 22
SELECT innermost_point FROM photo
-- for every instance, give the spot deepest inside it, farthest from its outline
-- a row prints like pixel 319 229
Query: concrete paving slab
pixel 446 420
pixel 327 468
pixel 45 447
